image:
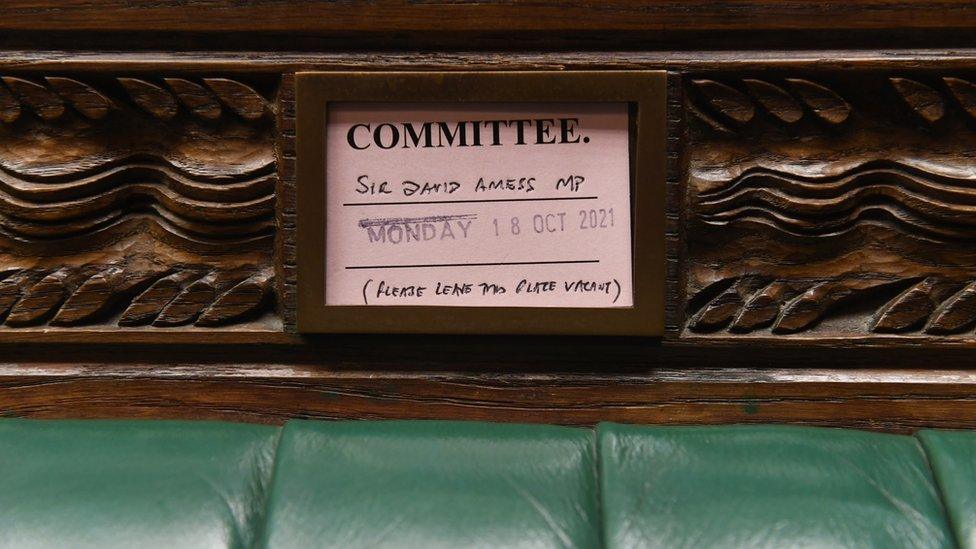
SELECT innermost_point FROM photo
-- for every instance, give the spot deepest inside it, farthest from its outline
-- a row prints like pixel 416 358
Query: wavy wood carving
pixel 182 170
pixel 846 206
pixel 941 207
pixel 201 213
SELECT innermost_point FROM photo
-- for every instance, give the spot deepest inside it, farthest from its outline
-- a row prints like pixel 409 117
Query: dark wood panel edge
pixel 290 61
pixel 149 336
pixel 474 354
pixel 308 342
pixel 392 16
pixel 898 401
pixel 311 342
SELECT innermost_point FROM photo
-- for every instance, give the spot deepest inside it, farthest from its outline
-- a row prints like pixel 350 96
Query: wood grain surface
pixel 574 381
pixel 385 16
pixel 482 25
pixel 897 401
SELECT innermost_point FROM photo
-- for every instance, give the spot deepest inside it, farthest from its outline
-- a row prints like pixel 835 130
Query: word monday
pixel 467 133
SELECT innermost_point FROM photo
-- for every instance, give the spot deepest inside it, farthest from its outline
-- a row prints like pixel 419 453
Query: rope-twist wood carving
pixel 176 296
pixel 50 98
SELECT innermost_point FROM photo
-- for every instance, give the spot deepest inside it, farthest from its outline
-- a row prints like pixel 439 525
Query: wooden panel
pixel 251 63
pixel 569 380
pixel 830 205
pixel 439 16
pixel 135 201
pixel 897 401
pixel 845 107
pixel 64 354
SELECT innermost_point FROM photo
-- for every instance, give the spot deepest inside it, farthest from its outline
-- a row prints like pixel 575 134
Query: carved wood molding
pixel 796 98
pixel 802 203
pixel 932 304
pixel 50 97
pixel 133 201
pixel 131 294
pixel 840 204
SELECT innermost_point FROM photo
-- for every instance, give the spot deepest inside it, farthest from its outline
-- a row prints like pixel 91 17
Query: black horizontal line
pixel 470 201
pixel 474 264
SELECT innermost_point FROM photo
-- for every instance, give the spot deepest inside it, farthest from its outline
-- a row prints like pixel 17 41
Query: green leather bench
pixel 445 484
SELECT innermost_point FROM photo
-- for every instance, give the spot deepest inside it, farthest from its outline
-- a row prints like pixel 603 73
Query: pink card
pixel 478 205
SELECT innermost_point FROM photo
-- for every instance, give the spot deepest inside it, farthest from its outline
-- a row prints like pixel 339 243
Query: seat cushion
pixel 132 483
pixel 766 486
pixel 432 484
pixel 952 455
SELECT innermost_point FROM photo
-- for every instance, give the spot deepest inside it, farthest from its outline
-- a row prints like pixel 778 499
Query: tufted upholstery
pixel 132 484
pixel 450 484
pixel 953 458
pixel 762 486
pixel 433 484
